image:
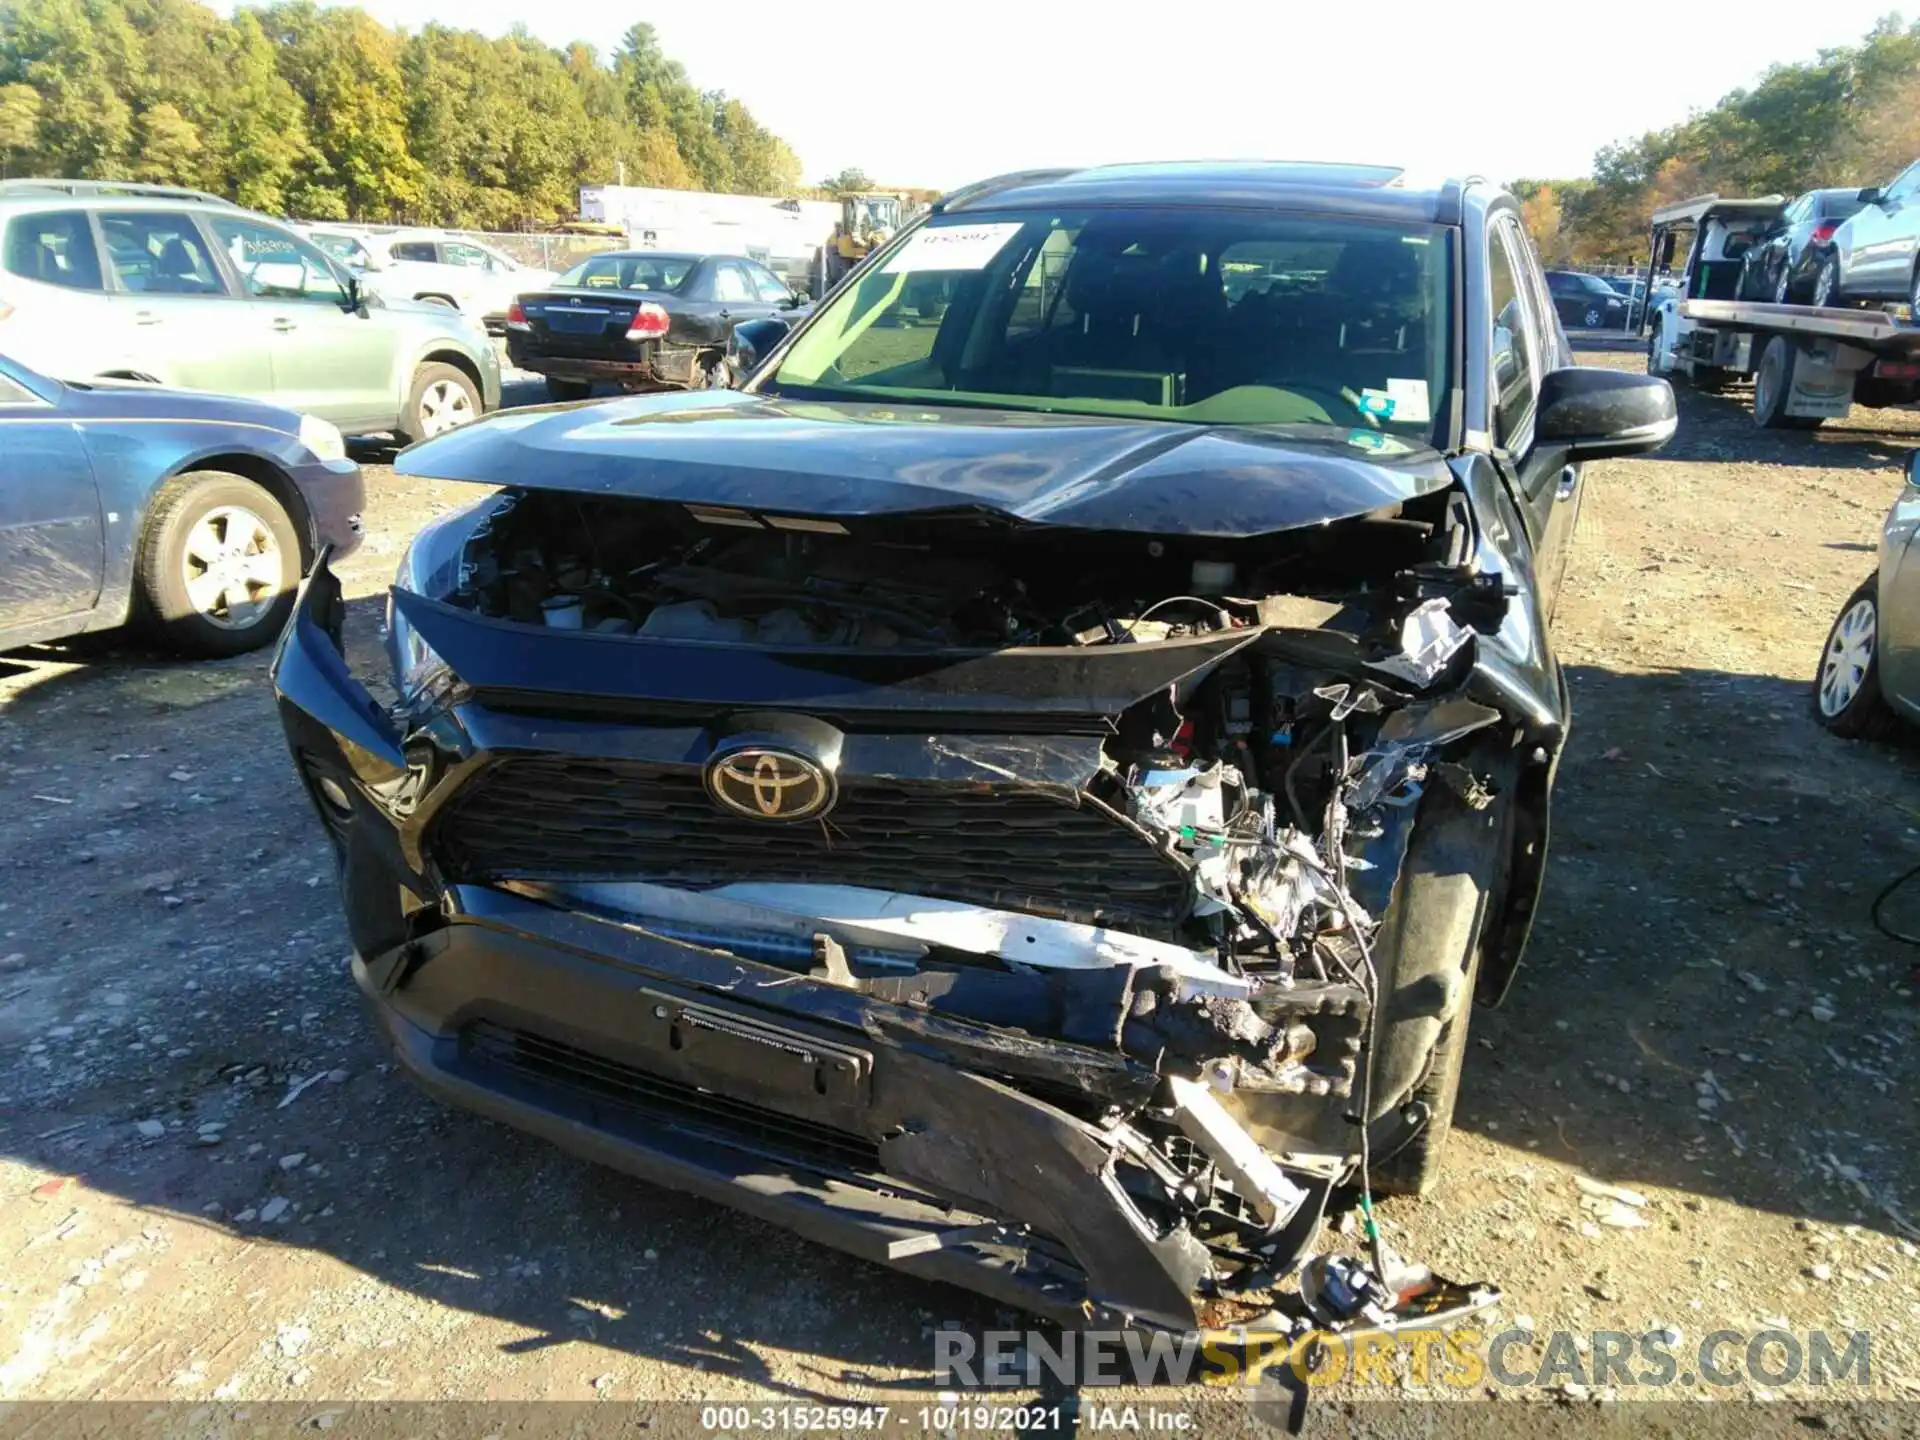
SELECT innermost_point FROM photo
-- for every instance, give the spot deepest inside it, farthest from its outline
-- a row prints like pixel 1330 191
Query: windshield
pixel 1206 316
pixel 344 248
pixel 629 272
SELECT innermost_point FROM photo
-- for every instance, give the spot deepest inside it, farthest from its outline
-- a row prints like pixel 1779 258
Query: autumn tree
pixel 325 113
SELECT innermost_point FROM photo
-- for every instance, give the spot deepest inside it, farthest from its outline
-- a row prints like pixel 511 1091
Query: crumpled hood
pixel 812 458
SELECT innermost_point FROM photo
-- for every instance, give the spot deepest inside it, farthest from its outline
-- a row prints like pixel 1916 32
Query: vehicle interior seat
pixel 1122 321
pixel 1364 325
pixel 174 271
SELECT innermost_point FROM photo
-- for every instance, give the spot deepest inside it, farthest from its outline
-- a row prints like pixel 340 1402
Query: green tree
pixel 166 144
pixel 326 113
pixel 851 178
pixel 65 51
pixel 19 123
pixel 345 66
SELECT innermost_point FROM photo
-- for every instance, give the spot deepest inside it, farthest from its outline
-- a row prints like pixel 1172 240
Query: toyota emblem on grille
pixel 767 784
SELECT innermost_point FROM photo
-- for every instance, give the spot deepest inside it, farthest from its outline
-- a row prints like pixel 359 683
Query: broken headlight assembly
pixel 432 565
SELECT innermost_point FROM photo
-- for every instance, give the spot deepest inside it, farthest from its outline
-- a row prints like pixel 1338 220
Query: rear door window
pixel 730 283
pixel 55 248
pixel 772 289
pixel 423 250
pixel 158 252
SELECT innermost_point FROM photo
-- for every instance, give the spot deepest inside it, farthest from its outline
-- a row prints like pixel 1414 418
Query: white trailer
pixel 1808 364
pixel 785 235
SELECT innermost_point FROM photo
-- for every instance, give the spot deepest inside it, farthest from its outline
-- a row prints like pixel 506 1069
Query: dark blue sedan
pixel 191 515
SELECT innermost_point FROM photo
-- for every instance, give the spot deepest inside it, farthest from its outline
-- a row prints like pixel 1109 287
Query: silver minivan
pixel 109 279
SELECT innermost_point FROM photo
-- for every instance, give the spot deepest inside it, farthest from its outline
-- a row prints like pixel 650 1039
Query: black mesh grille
pixel 545 817
pixel 594 1085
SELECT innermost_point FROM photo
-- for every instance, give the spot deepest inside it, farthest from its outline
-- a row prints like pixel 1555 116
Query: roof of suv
pixel 1377 191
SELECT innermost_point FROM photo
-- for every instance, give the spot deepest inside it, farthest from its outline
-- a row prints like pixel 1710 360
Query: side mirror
pixel 1596 413
pixel 751 342
pixel 1869 196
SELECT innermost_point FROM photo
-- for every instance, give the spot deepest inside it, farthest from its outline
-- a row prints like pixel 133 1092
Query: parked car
pixel 1586 302
pixel 1783 265
pixel 201 294
pixel 428 265
pixel 1875 253
pixel 1868 683
pixel 193 515
pixel 965 793
pixel 642 319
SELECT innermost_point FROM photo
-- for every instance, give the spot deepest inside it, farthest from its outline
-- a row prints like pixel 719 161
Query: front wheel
pixel 1655 354
pixel 1428 949
pixel 443 398
pixel 217 565
pixel 1847 698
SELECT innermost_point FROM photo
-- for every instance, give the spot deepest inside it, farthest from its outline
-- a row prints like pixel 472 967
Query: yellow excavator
pixel 867 219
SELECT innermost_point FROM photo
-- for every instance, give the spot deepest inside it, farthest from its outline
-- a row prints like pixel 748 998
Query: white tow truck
pixel 1807 363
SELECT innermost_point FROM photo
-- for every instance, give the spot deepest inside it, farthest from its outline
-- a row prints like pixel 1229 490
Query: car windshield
pixel 629 272
pixel 344 248
pixel 1205 316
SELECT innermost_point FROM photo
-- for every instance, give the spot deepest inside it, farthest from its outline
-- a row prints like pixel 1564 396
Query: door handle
pixel 145 317
pixel 726 314
pixel 282 324
pixel 1569 481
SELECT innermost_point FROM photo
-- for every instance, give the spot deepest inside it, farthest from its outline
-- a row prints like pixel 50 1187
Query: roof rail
pixel 131 189
pixel 980 189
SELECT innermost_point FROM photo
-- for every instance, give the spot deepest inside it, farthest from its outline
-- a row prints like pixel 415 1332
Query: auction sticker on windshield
pixel 951 247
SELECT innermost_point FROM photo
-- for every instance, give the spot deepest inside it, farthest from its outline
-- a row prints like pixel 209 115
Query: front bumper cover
pixel 885 1127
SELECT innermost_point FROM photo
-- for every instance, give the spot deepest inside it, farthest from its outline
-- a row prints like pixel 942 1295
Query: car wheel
pixel 1846 691
pixel 444 301
pixel 1913 295
pixel 1434 929
pixel 443 398
pixel 1826 283
pixel 1591 320
pixel 218 563
pixel 1655 354
pixel 568 389
pixel 1772 384
pixel 1783 287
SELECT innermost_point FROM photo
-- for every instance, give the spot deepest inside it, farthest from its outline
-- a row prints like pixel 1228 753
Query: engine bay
pixel 704 574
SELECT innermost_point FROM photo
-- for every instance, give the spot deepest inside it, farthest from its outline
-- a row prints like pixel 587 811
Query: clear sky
pixel 937 93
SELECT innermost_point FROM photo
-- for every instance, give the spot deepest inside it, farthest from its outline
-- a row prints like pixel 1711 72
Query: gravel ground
pixel 213 1187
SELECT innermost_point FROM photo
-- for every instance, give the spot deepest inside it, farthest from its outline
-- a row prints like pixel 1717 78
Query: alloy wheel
pixel 1826 284
pixel 1783 287
pixel 232 567
pixel 444 406
pixel 1593 317
pixel 1843 669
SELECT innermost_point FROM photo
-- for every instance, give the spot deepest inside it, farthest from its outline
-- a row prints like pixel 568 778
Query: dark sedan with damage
pixel 642 320
pixel 1028 788
pixel 192 515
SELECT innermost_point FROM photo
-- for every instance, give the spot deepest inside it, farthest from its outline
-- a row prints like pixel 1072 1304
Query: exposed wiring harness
pixel 1880 900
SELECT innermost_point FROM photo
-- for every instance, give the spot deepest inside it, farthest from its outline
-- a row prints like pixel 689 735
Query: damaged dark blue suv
pixel 1027 789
